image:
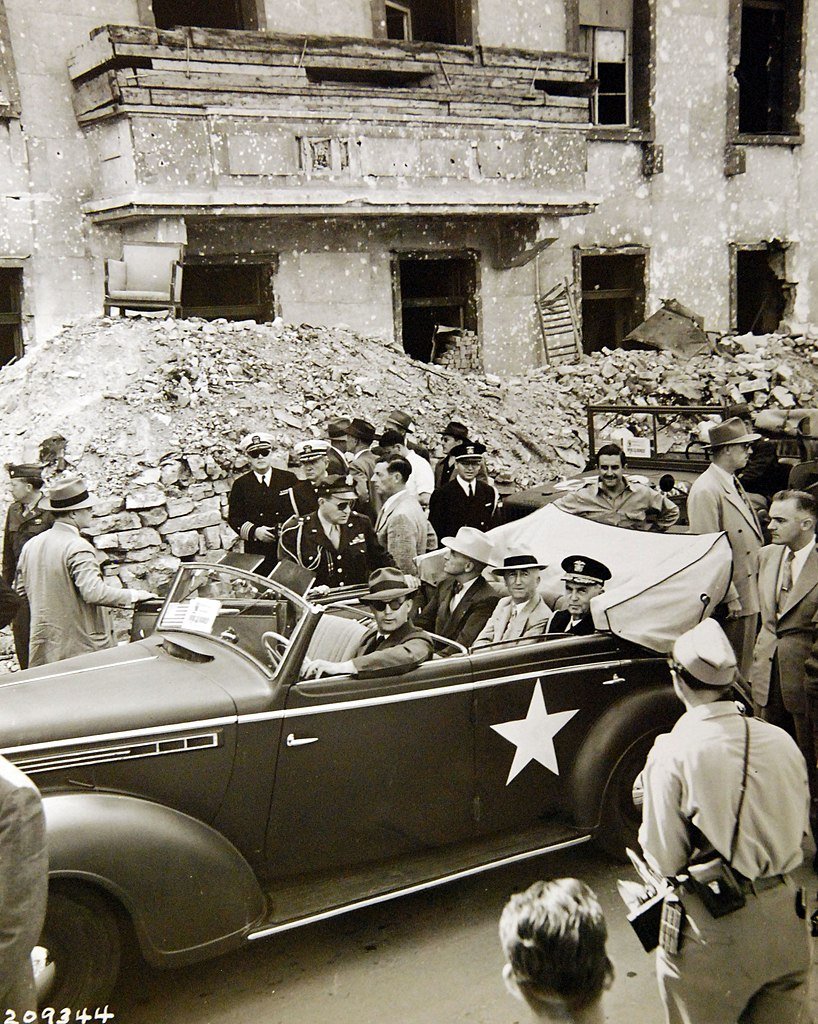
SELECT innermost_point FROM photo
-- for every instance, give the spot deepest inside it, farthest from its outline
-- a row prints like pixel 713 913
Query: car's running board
pixel 371 878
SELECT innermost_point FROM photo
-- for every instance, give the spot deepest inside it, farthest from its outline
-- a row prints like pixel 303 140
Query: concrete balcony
pixel 197 122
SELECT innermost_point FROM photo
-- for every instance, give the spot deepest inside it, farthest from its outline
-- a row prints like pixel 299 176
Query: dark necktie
pixel 457 586
pixel 743 495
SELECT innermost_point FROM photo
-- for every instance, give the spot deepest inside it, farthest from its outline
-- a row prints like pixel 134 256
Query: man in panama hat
pixel 59 573
pixel 393 645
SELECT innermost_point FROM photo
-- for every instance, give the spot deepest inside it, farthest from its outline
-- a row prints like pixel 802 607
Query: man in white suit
pixel 717 502
pixel 788 595
pixel 523 612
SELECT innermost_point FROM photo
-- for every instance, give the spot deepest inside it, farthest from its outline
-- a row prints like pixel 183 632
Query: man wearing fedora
pixel 523 612
pixel 361 459
pixel 422 478
pixel 465 500
pixel 60 575
pixel 454 433
pixel 262 499
pixel 725 802
pixel 584 579
pixel 393 646
pixel 462 603
pixel 717 502
pixel 334 543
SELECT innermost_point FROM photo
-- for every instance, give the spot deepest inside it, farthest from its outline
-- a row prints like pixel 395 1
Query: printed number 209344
pixel 61 1015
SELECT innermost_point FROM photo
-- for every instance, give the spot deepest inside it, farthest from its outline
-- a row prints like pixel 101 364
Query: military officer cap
pixel 705 652
pixel 468 451
pixel 457 430
pixel 256 443
pixel 25 471
pixel 337 487
pixel 337 429
pixel 581 569
pixel 312 451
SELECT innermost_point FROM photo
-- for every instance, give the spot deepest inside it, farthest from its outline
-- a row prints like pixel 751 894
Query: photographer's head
pixel 553 936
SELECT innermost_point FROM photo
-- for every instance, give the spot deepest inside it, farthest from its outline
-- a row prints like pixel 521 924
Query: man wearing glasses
pixel 338 546
pixel 261 500
pixel 394 645
pixel 717 502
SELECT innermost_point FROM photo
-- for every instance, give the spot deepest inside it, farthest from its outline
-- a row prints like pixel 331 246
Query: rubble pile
pixel 152 411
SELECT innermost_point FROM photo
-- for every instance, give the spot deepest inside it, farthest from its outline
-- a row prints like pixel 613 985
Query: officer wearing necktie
pixel 584 579
pixel 717 503
pixel 465 500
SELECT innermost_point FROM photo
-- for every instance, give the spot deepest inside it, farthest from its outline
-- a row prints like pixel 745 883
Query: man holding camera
pixel 726 806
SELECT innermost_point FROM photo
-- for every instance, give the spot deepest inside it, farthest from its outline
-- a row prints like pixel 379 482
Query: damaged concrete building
pixel 421 170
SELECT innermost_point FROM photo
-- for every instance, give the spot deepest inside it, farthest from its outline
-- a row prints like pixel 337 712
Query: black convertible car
pixel 200 795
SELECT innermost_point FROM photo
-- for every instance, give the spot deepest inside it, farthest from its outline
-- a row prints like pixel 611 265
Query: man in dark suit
pixel 465 500
pixel 454 433
pixel 584 579
pixel 261 500
pixel 23 889
pixel 461 605
pixel 337 545
pixel 394 645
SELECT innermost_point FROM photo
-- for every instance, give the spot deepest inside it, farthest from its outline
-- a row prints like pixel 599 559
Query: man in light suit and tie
pixel 523 612
pixel 717 503
pixel 788 595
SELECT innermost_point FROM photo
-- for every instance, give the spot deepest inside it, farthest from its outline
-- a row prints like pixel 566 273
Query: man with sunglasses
pixel 338 546
pixel 717 502
pixel 393 645
pixel 261 500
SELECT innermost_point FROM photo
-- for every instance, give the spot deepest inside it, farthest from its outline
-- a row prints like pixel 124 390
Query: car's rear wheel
pixel 83 941
pixel 619 824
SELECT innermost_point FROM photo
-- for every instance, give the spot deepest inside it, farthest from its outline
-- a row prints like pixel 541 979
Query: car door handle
pixel 612 680
pixel 293 742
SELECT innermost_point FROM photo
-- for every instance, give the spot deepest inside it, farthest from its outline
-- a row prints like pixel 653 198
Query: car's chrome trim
pixel 419 887
pixel 103 737
pixel 80 671
pixel 124 752
pixel 438 691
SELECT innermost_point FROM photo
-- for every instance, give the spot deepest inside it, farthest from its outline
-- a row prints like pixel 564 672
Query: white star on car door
pixel 534 735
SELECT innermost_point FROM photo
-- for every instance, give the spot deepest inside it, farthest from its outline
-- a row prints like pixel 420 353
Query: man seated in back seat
pixel 394 645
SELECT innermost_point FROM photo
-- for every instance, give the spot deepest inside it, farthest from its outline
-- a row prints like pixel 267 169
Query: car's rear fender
pixel 187 889
pixel 628 722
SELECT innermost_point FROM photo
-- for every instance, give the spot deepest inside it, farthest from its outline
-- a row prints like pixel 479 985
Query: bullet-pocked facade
pixel 415 170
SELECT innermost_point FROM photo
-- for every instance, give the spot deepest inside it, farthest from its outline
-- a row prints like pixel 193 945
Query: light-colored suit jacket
pixel 23 886
pixel 59 573
pixel 788 635
pixel 504 625
pixel 712 507
pixel 403 529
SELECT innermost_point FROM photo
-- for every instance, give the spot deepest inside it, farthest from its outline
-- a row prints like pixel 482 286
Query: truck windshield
pixel 247 611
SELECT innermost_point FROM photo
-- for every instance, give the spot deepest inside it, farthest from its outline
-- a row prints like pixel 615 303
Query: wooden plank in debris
pixel 98 52
pixel 95 93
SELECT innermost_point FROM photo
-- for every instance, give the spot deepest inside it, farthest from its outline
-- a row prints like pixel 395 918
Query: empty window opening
pixel 431 21
pixel 11 317
pixel 610 66
pixel 398 21
pixel 761 291
pixel 613 298
pixel 769 66
pixel 434 293
pixel 239 14
pixel 232 291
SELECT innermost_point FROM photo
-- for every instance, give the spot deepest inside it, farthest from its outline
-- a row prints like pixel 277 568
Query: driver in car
pixel 394 645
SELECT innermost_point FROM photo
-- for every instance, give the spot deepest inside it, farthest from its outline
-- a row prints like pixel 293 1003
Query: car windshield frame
pixel 232 596
pixel 661 416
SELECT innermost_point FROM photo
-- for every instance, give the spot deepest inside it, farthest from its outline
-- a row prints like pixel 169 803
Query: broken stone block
pixel 169 473
pixel 180 506
pixel 149 496
pixel 783 396
pixel 107 541
pixel 150 475
pixel 112 524
pixel 133 540
pixel 196 465
pixel 212 537
pixel 185 543
pixel 153 516
pixel 200 491
pixel 195 521
pixel 144 554
pixel 108 506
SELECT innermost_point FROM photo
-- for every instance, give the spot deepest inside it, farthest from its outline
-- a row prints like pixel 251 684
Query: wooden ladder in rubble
pixel 559 325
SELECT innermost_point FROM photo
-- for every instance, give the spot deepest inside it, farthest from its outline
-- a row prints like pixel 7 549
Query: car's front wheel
pixel 619 824
pixel 83 942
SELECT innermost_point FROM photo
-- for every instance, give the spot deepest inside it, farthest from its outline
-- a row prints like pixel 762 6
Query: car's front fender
pixel 187 889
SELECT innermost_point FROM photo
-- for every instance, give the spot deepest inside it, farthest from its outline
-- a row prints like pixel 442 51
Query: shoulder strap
pixel 743 790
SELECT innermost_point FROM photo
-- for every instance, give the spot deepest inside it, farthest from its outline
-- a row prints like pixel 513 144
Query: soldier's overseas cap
pixel 337 487
pixel 25 471
pixel 468 451
pixel 337 428
pixel 254 444
pixel 454 428
pixel 363 430
pixel 67 495
pixel 312 451
pixel 706 654
pixel 581 569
